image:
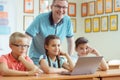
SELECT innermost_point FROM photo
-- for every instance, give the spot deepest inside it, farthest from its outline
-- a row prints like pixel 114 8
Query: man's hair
pixel 58 0
pixel 80 40
pixel 16 36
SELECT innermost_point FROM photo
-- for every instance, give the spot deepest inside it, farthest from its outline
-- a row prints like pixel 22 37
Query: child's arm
pixel 69 66
pixel 4 70
pixel 103 64
pixel 45 67
pixel 29 65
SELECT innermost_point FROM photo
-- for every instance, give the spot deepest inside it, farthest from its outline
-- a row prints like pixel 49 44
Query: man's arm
pixel 70 42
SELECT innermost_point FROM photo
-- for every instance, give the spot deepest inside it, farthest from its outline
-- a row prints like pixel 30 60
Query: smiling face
pixel 53 47
pixel 59 9
pixel 82 49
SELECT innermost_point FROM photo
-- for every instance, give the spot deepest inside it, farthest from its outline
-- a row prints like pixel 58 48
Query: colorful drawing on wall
pixel 96 24
pixel 87 25
pixel 28 6
pixel 44 6
pixel 84 9
pixel 113 22
pixel 4 28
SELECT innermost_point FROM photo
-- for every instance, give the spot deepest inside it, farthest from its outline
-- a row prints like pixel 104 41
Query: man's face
pixel 59 9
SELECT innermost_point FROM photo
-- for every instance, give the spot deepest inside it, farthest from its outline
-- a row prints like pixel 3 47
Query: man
pixel 55 22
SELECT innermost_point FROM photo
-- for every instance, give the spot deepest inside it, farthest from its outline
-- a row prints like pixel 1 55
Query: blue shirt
pixel 43 26
pixel 53 63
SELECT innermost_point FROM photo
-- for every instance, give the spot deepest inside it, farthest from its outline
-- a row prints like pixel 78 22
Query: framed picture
pixel 73 20
pixel 27 21
pixel 116 5
pixel 104 23
pixel 108 6
pixel 91 8
pixel 44 6
pixel 29 6
pixel 96 24
pixel 84 9
pixel 88 25
pixel 99 6
pixel 113 22
pixel 72 9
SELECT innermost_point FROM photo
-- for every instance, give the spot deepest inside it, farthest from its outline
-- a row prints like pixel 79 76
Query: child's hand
pixel 62 53
pixel 92 51
pixel 22 56
pixel 35 72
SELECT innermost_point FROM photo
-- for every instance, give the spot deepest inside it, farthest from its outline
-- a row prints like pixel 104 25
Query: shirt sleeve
pixel 42 57
pixel 2 59
pixel 33 29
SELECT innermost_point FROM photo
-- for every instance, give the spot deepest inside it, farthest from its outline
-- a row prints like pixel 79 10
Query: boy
pixel 83 49
pixel 17 62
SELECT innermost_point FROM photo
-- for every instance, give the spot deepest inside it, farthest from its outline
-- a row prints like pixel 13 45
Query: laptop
pixel 85 65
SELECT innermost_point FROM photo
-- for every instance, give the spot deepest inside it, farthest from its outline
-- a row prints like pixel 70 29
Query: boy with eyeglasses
pixel 17 62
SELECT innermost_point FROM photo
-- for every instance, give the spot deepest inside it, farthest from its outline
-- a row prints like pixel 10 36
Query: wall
pixel 106 42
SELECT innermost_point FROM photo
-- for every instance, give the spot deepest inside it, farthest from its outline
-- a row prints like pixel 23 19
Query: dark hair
pixel 47 40
pixel 80 40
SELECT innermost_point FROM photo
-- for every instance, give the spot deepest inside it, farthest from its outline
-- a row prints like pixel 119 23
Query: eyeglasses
pixel 21 46
pixel 59 7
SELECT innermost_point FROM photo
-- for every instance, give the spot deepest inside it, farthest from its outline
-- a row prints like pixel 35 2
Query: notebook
pixel 85 65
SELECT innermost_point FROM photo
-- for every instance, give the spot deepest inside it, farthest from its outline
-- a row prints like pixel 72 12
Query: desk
pixel 54 77
pixel 110 74
pixel 114 66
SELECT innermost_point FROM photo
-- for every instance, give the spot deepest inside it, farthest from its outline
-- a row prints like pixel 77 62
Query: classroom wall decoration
pixel 4 21
pixel 98 8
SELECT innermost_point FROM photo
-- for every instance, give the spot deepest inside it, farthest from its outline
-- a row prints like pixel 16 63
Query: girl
pixel 52 62
pixel 83 49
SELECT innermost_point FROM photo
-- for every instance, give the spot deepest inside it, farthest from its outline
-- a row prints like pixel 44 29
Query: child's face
pixel 53 47
pixel 20 47
pixel 82 49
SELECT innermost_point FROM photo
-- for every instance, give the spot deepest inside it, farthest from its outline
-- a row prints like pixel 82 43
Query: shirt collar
pixel 51 20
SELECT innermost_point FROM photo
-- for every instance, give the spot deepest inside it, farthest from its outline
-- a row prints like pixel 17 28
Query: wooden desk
pixel 114 66
pixel 54 77
pixel 110 74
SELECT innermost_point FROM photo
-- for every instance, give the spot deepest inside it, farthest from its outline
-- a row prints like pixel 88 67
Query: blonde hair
pixel 16 36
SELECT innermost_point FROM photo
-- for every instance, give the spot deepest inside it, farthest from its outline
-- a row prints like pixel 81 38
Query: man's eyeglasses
pixel 21 46
pixel 59 7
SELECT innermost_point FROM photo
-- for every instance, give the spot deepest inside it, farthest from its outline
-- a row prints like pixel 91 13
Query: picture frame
pixel 96 24
pixel 99 6
pixel 44 6
pixel 91 8
pixel 113 22
pixel 88 25
pixel 108 6
pixel 104 23
pixel 116 5
pixel 73 20
pixel 84 9
pixel 27 20
pixel 72 9
pixel 28 6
